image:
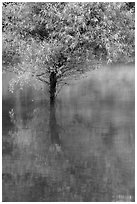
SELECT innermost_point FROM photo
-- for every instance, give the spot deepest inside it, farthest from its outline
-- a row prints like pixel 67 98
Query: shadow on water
pixel 82 152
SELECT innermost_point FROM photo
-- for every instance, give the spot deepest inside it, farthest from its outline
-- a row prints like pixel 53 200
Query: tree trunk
pixel 52 121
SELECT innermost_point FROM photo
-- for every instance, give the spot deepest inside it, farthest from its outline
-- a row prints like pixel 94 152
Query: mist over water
pixel 91 159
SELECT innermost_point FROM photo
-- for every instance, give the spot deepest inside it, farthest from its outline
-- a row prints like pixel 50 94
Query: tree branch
pixel 61 88
pixel 40 79
pixel 43 80
pixel 38 75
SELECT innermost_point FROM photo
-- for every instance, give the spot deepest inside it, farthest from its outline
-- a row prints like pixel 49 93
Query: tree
pixel 52 41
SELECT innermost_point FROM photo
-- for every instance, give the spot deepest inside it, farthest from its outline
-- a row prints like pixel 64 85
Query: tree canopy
pixel 40 38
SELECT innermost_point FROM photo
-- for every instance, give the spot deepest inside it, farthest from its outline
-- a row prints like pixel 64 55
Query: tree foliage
pixel 59 37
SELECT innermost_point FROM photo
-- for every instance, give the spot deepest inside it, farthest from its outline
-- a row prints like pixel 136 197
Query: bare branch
pixel 40 79
pixel 61 88
pixel 38 75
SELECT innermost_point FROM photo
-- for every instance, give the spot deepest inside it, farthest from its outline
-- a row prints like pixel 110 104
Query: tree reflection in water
pixel 82 152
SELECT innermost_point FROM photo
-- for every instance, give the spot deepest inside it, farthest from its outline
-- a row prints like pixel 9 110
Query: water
pixel 91 159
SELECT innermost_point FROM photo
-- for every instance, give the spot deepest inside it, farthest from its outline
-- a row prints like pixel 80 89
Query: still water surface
pixel 91 159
